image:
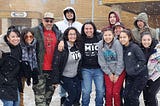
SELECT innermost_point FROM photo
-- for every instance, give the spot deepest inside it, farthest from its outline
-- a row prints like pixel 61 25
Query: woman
pixel 10 56
pixel 110 58
pixel 91 70
pixel 29 58
pixel 66 70
pixel 153 85
pixel 135 67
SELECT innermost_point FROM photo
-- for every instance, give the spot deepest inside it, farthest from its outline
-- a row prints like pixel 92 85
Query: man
pixel 141 24
pixel 69 20
pixel 47 35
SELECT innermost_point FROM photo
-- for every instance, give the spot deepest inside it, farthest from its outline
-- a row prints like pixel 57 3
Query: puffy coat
pixel 9 71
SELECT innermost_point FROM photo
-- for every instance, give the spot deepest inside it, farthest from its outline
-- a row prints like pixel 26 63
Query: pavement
pixel 29 97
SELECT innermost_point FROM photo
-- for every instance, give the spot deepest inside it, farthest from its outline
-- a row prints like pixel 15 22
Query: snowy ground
pixel 29 98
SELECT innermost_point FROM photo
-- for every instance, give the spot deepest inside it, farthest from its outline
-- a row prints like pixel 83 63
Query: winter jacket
pixel 137 31
pixel 134 59
pixel 38 33
pixel 10 79
pixel 111 58
pixel 148 51
pixel 59 63
pixel 64 24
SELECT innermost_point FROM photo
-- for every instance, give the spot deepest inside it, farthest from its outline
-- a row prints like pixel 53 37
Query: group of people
pixel 121 62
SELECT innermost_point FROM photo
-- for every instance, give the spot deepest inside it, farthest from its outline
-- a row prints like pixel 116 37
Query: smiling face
pixel 146 40
pixel 108 36
pixel 69 15
pixel 72 36
pixel 13 38
pixel 28 38
pixel 88 30
pixel 140 24
pixel 124 39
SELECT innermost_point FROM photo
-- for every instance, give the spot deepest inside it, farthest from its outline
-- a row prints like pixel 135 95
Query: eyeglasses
pixel 47 20
pixel 30 36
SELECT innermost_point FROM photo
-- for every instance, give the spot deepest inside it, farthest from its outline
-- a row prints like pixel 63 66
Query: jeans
pixel 97 76
pixel 12 103
pixel 73 87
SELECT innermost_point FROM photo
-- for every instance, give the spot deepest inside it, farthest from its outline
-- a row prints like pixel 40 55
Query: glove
pixel 35 74
pixel 28 81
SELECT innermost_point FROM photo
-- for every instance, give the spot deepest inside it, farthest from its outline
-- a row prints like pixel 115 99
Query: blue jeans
pixel 97 76
pixel 12 103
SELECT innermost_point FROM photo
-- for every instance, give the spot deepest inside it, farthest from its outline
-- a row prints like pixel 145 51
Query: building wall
pixel 83 10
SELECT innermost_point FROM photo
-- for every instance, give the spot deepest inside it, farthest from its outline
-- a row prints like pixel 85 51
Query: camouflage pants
pixel 43 91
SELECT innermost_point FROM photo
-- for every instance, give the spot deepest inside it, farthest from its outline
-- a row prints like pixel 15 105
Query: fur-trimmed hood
pixel 4 48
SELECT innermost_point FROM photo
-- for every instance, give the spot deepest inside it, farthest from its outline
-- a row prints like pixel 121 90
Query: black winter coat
pixel 10 80
pixel 134 59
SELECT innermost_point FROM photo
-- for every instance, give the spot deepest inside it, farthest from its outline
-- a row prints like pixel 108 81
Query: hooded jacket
pixel 111 58
pixel 111 25
pixel 137 31
pixel 9 70
pixel 64 24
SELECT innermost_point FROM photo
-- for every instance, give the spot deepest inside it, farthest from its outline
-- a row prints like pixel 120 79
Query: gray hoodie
pixel 111 58
pixel 136 31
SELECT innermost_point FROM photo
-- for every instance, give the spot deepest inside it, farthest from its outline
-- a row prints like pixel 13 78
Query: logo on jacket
pixel 129 53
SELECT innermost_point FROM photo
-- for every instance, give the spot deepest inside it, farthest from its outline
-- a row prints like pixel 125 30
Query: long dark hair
pixel 78 39
pixel 24 33
pixel 94 28
pixel 130 35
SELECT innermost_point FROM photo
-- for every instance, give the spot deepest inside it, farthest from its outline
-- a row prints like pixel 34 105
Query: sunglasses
pixel 31 37
pixel 47 20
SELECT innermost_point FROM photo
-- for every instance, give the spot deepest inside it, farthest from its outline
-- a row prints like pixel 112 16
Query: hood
pixel 117 17
pixel 143 17
pixel 4 48
pixel 72 9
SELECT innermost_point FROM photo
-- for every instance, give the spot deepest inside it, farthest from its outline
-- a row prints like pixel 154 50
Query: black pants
pixel 134 85
pixel 73 87
pixel 150 91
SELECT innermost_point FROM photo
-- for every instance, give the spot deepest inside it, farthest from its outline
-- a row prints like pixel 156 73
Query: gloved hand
pixel 35 74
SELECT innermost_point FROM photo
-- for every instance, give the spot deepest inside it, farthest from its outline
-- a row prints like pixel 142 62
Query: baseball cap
pixel 48 15
pixel 118 24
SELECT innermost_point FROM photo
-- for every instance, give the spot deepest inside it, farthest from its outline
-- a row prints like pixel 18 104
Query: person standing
pixel 10 77
pixel 135 67
pixel 90 68
pixel 69 15
pixel 47 35
pixel 67 66
pixel 151 49
pixel 110 58
pixel 141 25
pixel 113 17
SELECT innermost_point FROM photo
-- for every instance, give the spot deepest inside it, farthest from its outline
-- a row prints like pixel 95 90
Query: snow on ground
pixel 29 97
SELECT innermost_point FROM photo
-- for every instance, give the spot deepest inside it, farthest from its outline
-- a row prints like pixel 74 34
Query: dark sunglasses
pixel 47 20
